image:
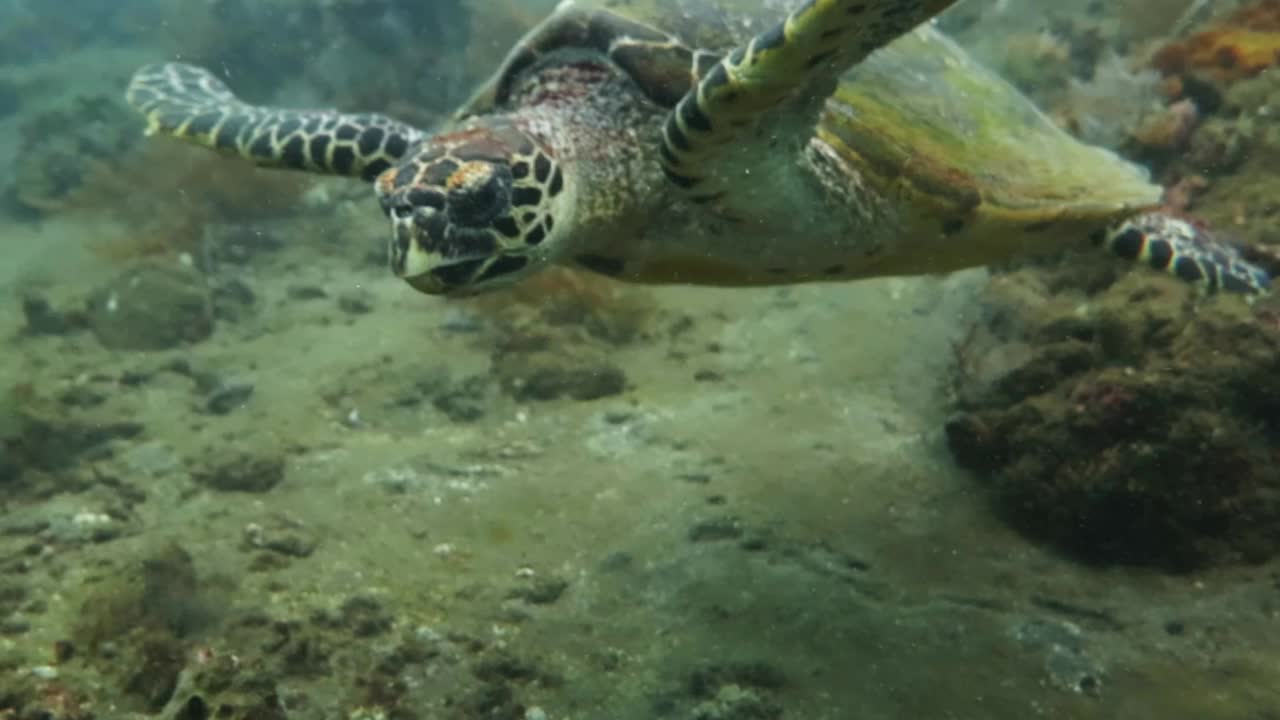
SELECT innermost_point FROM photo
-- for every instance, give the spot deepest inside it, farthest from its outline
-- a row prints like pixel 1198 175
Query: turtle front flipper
pixel 1173 245
pixel 804 54
pixel 189 103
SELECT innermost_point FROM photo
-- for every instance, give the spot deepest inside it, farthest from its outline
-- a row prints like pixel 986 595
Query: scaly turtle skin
pixel 704 141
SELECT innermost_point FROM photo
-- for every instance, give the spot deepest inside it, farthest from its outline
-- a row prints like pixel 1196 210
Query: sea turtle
pixel 707 142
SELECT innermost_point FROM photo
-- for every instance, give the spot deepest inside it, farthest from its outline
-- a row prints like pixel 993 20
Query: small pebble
pixel 42 318
pixel 242 473
pixel 133 378
pixel 63 650
pixel 460 321
pixel 14 626
pixel 306 292
pixel 619 560
pixel 228 397
pixel 355 303
pixel 541 591
pixel 725 528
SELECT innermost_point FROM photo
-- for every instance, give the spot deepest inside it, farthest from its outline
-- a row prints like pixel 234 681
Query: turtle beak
pixel 423 256
pixel 427 284
pixel 455 278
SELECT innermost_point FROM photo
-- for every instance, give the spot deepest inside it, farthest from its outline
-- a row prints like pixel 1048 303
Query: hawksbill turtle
pixel 711 142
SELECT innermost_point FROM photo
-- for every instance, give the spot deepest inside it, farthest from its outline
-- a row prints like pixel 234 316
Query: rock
pixel 736 691
pixel 1068 664
pixel 618 561
pixel 723 528
pixel 12 596
pixel 172 595
pixel 541 590
pixel 85 527
pixel 149 459
pixel 1137 429
pixel 227 397
pixel 233 300
pixel 732 702
pixel 579 383
pixel 466 401
pixel 51 441
pixel 306 292
pixel 281 537
pixel 81 396
pixel 242 473
pixel 194 708
pixel 356 303
pixel 42 319
pixel 152 306
pixel 9 468
pixel 362 615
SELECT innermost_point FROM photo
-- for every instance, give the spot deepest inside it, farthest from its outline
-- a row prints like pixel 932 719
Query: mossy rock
pixel 153 305
pixel 1156 446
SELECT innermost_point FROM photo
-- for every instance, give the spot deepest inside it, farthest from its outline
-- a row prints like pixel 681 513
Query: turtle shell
pixel 922 113
pixel 923 122
pixel 663 35
pixel 714 25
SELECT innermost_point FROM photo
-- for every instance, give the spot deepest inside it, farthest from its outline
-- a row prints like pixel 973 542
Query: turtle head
pixel 474 210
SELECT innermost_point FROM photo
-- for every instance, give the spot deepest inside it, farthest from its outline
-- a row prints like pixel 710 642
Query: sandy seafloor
pixel 764 523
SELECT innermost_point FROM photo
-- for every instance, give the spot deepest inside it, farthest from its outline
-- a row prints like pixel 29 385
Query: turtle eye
pixel 479 193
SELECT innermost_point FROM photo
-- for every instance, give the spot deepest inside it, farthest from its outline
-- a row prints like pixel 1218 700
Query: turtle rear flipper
pixel 191 104
pixel 806 53
pixel 1173 245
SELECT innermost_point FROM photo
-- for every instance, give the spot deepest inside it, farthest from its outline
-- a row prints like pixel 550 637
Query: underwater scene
pixel 639 359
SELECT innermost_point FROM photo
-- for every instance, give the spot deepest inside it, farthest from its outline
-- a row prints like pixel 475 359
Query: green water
pixel 248 473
